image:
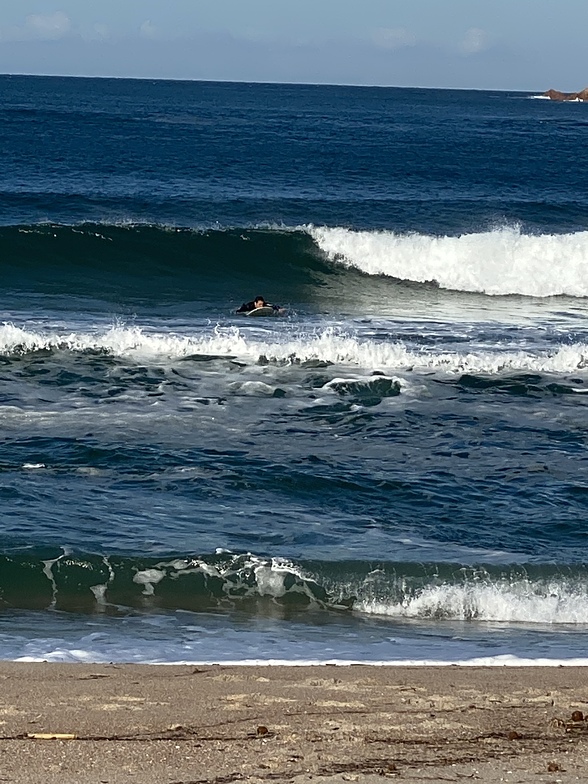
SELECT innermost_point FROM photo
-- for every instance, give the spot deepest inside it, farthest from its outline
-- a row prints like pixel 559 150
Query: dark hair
pixel 261 298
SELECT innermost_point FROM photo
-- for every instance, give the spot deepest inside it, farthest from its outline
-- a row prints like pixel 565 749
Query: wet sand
pixel 291 724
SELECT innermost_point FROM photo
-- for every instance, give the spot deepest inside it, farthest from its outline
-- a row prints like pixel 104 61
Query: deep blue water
pixel 394 470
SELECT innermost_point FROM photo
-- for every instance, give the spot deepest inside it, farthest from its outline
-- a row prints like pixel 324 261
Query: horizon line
pixel 267 82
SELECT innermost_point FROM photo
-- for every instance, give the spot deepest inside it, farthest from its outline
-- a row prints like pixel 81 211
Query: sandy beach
pixel 188 724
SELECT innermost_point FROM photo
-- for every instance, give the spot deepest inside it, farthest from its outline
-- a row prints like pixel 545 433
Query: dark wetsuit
pixel 247 306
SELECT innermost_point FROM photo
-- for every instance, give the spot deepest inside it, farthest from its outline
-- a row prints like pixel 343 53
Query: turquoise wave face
pixel 158 265
pixel 93 584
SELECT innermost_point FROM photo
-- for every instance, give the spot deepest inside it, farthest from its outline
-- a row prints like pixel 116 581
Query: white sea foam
pixel 503 660
pixel 148 578
pixel 119 340
pixel 499 262
pixel 519 602
pixel 327 345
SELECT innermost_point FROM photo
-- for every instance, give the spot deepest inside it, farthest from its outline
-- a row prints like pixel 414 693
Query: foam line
pixel 327 345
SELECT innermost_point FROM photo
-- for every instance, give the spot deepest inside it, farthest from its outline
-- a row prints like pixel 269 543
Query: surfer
pixel 258 302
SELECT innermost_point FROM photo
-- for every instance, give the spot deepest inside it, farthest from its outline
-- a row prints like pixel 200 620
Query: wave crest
pixel 499 262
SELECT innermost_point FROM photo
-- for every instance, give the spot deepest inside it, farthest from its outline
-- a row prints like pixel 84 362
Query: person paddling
pixel 258 302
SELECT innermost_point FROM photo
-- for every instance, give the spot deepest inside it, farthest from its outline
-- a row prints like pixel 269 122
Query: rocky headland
pixel 556 95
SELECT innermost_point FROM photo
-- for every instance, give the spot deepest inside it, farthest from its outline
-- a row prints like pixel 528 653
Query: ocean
pixel 395 470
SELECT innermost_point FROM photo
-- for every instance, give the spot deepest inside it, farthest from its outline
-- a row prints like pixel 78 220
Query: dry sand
pixel 291 724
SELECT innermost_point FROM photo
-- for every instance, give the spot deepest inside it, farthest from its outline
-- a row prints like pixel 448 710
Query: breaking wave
pixel 161 264
pixel 328 345
pixel 499 262
pixel 439 592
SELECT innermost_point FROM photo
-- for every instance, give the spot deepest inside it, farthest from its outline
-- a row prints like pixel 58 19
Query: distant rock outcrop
pixel 556 95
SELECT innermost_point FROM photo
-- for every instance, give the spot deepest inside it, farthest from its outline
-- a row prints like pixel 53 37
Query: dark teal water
pixel 395 469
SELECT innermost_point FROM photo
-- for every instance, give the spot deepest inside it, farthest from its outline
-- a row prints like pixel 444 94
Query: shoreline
pixel 328 723
pixel 502 661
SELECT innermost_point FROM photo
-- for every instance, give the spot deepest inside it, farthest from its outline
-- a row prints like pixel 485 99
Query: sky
pixel 482 44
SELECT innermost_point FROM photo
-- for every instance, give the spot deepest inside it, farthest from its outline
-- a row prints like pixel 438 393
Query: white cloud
pixel 475 40
pixel 39 27
pixel 48 27
pixel 393 38
pixel 148 29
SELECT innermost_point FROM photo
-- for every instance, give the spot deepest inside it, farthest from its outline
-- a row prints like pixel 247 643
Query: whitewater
pixel 333 346
pixel 498 263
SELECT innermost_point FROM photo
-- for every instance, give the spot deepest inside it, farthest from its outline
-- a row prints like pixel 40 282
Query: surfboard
pixel 265 311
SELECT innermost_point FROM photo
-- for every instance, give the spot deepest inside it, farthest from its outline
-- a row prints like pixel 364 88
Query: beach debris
pixel 93 676
pixel 387 770
pixel 555 722
pixel 261 731
pixel 552 767
pixel 52 735
pixel 514 735
pixel 577 724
